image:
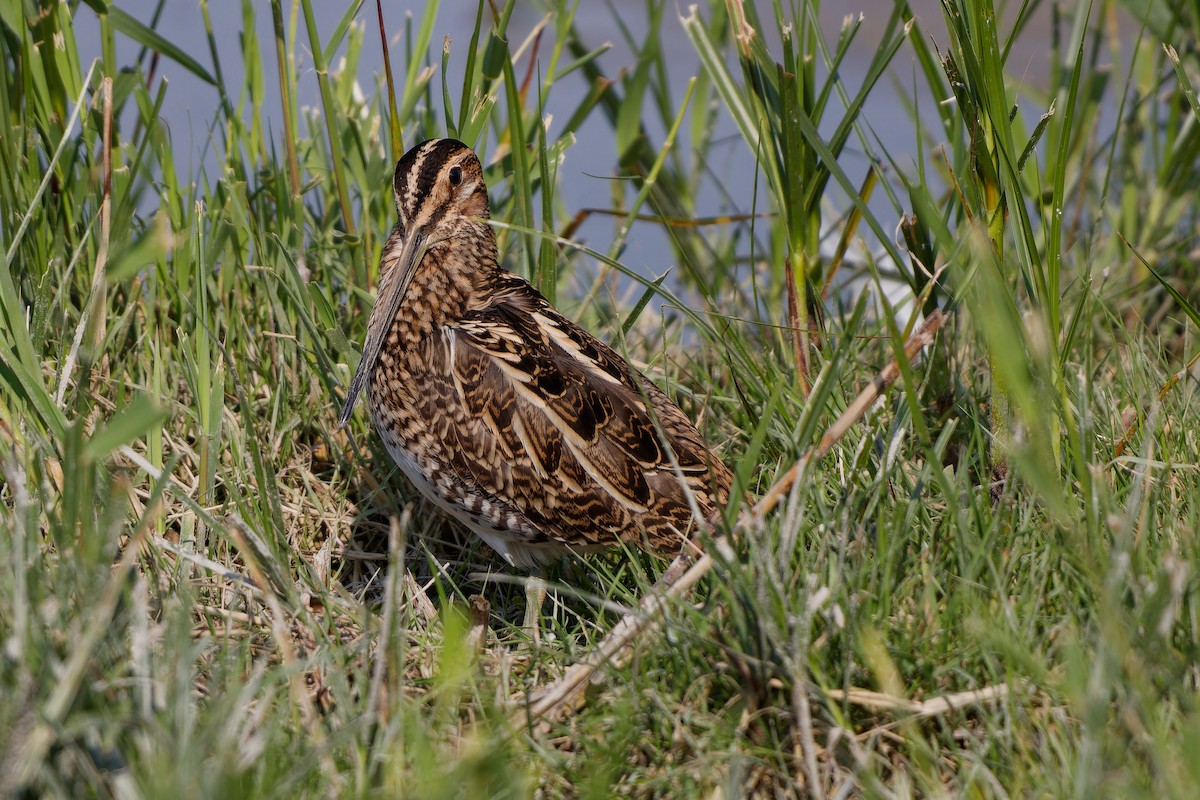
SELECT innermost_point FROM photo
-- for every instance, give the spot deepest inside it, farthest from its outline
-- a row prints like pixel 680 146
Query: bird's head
pixel 440 194
pixel 439 186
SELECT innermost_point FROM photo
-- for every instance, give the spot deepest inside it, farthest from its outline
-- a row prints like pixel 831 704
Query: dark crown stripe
pixel 418 170
pixel 404 167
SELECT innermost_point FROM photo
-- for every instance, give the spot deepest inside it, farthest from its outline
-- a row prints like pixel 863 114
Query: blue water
pixel 586 174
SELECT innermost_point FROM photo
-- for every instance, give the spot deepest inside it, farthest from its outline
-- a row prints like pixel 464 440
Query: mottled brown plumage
pixel 502 411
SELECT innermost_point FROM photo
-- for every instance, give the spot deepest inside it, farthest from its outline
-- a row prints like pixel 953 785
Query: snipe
pixel 507 415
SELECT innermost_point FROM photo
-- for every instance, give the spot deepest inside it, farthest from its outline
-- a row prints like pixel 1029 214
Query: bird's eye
pixel 455 176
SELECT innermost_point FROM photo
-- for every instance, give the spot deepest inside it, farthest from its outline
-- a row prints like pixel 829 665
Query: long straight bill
pixel 391 293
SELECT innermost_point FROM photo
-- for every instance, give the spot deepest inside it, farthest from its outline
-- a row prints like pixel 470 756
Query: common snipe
pixel 506 414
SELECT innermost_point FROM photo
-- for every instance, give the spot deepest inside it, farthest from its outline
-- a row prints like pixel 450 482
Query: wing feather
pixel 569 416
pixel 533 418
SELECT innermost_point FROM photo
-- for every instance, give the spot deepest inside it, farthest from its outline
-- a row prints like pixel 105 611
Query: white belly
pixel 515 550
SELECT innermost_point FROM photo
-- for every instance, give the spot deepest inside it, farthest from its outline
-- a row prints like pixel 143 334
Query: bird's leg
pixel 535 596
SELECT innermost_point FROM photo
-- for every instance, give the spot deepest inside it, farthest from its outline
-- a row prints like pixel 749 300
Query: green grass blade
pixel 127 426
pixel 149 38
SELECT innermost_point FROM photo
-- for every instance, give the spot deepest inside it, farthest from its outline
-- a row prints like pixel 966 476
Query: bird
pixel 507 415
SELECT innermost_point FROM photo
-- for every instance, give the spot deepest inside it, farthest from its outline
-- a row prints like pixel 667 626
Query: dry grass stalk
pixel 922 709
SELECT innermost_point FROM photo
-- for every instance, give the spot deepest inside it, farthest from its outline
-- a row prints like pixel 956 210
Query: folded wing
pixel 560 430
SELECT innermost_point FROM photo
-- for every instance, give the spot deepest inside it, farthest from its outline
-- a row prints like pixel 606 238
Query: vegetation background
pixel 987 588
